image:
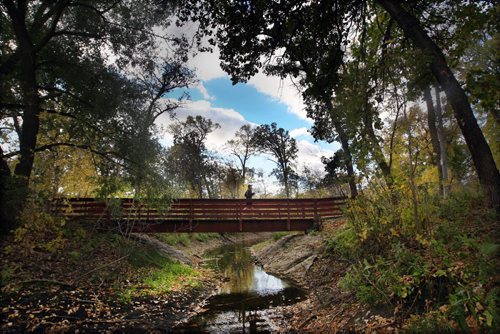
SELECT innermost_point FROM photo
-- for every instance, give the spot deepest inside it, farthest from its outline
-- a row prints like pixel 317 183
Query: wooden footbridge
pixel 203 215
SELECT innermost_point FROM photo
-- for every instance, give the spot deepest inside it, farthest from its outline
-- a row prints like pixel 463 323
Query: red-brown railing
pixel 205 215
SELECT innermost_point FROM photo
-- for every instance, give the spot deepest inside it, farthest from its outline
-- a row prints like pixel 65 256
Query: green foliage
pixel 269 138
pixel 345 243
pixel 188 160
pixel 39 229
pixel 185 239
pixel 174 238
pixel 442 273
pixel 7 275
pixel 279 235
pixel 205 236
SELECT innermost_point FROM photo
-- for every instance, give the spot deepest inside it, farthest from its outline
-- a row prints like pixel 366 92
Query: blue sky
pixel 256 107
pixel 262 100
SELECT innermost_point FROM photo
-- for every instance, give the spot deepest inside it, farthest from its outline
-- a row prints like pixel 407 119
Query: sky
pixel 262 100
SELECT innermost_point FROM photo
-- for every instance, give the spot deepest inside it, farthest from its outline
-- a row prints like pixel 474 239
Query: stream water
pixel 249 299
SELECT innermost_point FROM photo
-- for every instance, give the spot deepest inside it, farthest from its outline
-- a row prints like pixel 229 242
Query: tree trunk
pixel 344 141
pixel 431 122
pixel 480 151
pixel 30 117
pixel 443 158
pixel 347 154
pixel 6 220
pixel 418 223
pixel 378 155
pixel 285 181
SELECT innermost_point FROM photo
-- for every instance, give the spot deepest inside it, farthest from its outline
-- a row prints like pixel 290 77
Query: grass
pixel 279 235
pixel 131 268
pixel 158 273
pixel 261 245
pixel 185 239
pixel 170 276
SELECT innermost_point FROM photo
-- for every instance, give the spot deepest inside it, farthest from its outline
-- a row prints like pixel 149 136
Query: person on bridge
pixel 249 194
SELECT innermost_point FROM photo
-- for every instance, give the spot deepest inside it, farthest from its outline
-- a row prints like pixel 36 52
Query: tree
pixel 433 131
pixel 242 147
pixel 79 60
pixel 277 142
pixel 310 180
pixel 189 158
pixel 265 30
pixel 482 157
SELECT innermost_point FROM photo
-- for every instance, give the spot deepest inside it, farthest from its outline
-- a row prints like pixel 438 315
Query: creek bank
pixel 90 282
pixel 302 259
pixel 191 253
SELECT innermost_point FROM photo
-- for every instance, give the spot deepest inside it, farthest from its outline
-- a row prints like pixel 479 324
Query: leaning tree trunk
pixel 377 152
pixel 480 151
pixel 431 122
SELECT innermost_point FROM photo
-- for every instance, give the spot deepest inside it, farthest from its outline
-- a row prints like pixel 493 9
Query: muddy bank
pixel 192 253
pixel 303 260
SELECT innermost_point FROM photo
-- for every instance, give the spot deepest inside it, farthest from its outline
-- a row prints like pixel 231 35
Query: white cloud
pixel 299 132
pixel 283 91
pixel 310 154
pixel 229 120
pixel 207 65
pixel 204 92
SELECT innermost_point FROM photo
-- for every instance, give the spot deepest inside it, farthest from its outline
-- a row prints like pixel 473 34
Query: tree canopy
pixel 314 42
pixel 84 75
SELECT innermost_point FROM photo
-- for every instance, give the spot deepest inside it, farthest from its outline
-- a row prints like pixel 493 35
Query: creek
pixel 249 299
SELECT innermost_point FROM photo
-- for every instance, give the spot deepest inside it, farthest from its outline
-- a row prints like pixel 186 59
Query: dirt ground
pixel 302 259
pixel 56 295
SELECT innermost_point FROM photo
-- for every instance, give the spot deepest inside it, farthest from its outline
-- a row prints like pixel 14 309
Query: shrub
pixel 39 230
pixel 443 270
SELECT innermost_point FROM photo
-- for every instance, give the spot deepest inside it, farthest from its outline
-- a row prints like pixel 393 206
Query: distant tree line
pixel 202 173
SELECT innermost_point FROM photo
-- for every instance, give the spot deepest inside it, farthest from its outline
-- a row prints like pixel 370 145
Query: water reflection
pixel 240 273
pixel 247 301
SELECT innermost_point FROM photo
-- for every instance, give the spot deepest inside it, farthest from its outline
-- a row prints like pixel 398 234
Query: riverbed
pixel 248 300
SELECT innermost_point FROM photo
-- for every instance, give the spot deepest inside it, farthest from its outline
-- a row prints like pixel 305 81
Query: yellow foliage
pixel 38 229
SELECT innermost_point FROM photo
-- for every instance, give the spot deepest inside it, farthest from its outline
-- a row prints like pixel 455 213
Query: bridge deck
pixel 204 215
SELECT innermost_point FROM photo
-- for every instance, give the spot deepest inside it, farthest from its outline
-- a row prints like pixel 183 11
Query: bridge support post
pixel 317 219
pixel 288 217
pixel 190 215
pixel 240 214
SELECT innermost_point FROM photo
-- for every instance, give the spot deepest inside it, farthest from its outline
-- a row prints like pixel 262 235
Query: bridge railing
pixel 201 209
pixel 185 214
